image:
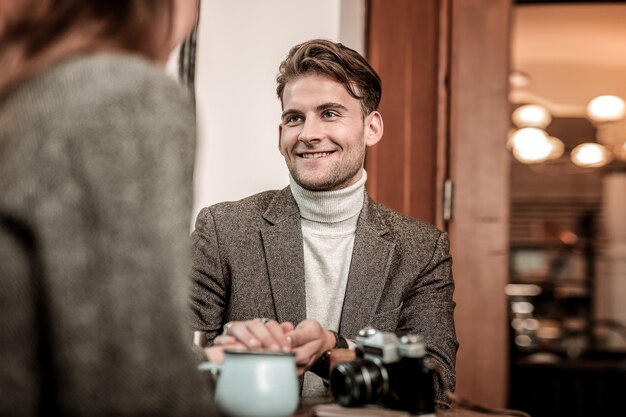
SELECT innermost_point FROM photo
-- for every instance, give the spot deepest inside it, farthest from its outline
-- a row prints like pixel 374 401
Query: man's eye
pixel 293 119
pixel 329 114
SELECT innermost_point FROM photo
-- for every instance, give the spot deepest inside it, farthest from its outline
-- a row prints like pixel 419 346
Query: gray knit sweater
pixel 95 193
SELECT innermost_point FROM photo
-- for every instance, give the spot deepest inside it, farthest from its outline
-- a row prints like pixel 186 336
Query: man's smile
pixel 314 155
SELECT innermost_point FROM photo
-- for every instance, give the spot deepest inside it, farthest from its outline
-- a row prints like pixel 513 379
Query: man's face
pixel 323 133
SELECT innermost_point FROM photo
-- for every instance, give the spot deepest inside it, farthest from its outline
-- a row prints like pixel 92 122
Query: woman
pixel 96 153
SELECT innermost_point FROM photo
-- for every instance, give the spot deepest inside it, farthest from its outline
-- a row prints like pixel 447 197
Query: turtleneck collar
pixel 330 206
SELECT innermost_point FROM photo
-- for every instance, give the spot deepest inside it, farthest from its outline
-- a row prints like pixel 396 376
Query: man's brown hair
pixel 336 61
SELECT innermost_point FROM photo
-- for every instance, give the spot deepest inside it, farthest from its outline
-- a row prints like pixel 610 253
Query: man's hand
pixel 215 353
pixel 310 340
pixel 254 334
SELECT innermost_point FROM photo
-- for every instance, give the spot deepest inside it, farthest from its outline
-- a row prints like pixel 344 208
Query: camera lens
pixel 359 382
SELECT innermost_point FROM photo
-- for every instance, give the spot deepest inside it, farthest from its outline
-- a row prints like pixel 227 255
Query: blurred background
pixel 568 199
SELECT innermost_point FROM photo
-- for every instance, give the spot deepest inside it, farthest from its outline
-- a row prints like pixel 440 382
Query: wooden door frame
pixel 465 139
pixel 479 169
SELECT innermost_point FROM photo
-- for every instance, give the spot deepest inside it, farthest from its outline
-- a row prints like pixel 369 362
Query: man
pixel 320 254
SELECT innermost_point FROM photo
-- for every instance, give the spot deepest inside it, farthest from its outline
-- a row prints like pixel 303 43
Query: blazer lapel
pixel 369 268
pixel 282 243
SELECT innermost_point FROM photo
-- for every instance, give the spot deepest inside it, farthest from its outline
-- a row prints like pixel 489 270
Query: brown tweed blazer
pixel 248 262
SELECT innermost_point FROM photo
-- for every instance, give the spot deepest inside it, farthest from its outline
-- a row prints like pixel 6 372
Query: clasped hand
pixel 307 341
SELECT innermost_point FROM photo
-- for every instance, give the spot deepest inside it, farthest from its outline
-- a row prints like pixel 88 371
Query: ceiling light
pixel 531 145
pixel 606 109
pixel 518 79
pixel 558 147
pixel 590 155
pixel 531 115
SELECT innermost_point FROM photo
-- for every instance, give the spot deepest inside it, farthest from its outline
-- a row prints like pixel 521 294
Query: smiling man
pixel 304 268
pixel 324 133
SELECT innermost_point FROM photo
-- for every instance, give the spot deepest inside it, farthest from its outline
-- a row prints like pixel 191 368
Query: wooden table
pixel 324 407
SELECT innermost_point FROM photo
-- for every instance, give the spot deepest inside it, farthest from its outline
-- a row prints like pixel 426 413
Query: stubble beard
pixel 338 176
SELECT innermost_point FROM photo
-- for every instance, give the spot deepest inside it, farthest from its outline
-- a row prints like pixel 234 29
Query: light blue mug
pixel 256 384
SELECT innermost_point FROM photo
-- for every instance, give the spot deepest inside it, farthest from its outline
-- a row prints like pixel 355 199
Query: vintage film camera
pixel 388 371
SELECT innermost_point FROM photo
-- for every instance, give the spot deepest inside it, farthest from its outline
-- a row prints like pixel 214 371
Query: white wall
pixel 240 45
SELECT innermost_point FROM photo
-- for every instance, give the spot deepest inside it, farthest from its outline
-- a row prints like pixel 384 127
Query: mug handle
pixel 212 368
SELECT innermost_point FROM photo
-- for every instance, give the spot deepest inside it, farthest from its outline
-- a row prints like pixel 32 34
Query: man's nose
pixel 311 132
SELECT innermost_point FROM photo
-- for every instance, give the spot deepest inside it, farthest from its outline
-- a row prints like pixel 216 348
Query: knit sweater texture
pixel 96 162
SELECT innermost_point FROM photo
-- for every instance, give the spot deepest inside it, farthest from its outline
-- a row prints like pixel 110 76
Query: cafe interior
pixel 505 126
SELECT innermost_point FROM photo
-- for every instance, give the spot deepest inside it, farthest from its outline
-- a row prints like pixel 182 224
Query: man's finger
pixel 270 337
pixel 287 326
pixel 214 354
pixel 277 332
pixel 307 354
pixel 305 332
pixel 239 330
pixel 301 370
pixel 224 340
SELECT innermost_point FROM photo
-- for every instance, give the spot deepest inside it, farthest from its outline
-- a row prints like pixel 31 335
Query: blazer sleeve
pixel 209 286
pixel 428 310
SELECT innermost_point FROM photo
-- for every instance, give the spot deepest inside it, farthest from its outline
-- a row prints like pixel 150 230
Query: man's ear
pixel 373 128
pixel 280 135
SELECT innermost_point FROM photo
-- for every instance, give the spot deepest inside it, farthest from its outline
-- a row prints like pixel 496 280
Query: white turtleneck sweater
pixel 329 221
